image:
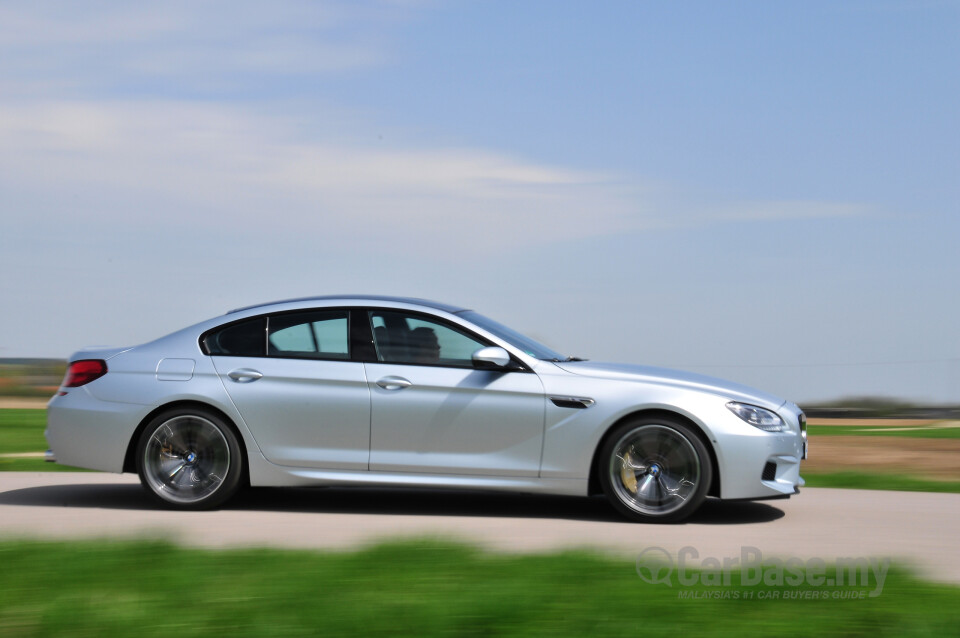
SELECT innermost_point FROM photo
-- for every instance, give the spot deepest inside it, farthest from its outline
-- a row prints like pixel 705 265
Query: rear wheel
pixel 655 469
pixel 189 459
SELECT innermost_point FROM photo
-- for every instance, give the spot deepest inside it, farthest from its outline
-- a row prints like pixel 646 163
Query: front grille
pixel 769 471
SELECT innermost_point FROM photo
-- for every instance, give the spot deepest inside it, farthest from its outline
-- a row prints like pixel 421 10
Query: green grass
pixel 418 588
pixel 35 465
pixel 876 481
pixel 883 430
pixel 22 431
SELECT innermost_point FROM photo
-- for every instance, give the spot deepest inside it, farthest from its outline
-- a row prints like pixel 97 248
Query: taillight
pixel 83 372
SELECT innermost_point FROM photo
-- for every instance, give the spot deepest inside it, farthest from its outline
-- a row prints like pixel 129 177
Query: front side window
pixel 407 338
pixel 310 335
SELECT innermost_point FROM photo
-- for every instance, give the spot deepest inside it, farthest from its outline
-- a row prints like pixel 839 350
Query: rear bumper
pixel 86 432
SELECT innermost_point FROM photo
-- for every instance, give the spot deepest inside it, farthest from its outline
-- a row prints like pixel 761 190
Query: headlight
pixel 757 417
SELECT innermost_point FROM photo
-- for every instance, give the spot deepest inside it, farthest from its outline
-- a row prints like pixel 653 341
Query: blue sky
pixel 763 191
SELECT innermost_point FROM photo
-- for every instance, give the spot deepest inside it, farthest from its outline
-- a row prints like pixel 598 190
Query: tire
pixel 189 459
pixel 655 469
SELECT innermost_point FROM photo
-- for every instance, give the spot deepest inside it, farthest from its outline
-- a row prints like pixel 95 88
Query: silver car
pixel 363 390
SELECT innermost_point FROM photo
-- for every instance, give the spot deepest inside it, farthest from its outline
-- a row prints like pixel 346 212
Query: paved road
pixel 917 528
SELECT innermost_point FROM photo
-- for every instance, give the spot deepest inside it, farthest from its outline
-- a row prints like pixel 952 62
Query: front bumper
pixel 755 464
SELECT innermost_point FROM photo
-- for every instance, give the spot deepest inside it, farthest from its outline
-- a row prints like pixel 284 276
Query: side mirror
pixel 491 357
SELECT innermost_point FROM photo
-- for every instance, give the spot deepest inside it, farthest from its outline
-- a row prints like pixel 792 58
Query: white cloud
pixel 70 144
pixel 96 47
pixel 214 166
pixel 197 164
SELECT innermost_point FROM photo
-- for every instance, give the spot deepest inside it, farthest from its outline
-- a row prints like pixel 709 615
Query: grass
pixel 22 431
pixel 915 432
pixel 875 481
pixel 422 588
pixel 35 465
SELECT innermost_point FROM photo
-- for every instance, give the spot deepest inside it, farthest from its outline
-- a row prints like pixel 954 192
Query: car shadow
pixel 387 502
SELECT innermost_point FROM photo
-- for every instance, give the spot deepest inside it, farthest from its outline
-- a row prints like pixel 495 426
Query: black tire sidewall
pixel 231 483
pixel 687 431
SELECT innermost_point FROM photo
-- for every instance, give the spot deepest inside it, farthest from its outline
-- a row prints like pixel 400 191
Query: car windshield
pixel 511 336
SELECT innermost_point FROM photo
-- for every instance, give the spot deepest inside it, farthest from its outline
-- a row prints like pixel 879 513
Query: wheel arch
pixel 130 460
pixel 594 479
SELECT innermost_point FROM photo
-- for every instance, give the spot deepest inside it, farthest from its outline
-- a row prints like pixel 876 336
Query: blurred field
pixel 898 482
pixel 892 454
pixel 418 588
pixel 23 403
pixel 911 428
pixel 30 377
pixel 8 464
pixel 931 458
pixel 21 431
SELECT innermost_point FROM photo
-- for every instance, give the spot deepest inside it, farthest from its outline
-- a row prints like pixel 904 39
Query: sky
pixel 761 191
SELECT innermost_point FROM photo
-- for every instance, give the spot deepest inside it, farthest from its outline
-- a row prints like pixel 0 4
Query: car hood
pixel 673 378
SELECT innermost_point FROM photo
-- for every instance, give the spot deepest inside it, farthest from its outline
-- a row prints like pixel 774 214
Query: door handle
pixel 393 383
pixel 244 375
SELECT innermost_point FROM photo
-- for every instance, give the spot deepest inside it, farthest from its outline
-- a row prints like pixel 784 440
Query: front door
pixel 432 412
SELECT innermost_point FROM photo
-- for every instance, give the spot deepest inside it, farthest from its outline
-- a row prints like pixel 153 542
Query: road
pixel 916 528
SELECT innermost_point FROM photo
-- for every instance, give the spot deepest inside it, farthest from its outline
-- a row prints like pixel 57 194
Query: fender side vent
pixel 577 403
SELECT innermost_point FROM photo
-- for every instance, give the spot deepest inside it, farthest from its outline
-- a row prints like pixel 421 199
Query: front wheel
pixel 655 470
pixel 189 459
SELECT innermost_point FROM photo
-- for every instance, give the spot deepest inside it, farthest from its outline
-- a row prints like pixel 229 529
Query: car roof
pixel 358 299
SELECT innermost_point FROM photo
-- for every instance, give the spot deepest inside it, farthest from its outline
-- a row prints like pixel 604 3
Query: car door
pixel 293 382
pixel 432 411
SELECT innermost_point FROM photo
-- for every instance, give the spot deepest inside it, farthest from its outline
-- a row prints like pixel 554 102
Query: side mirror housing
pixel 491 357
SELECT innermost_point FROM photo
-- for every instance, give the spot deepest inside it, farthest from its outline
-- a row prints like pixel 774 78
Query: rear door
pixel 292 379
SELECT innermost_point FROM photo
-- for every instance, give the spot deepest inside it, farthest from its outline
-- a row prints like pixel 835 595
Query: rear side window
pixel 241 339
pixel 310 335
